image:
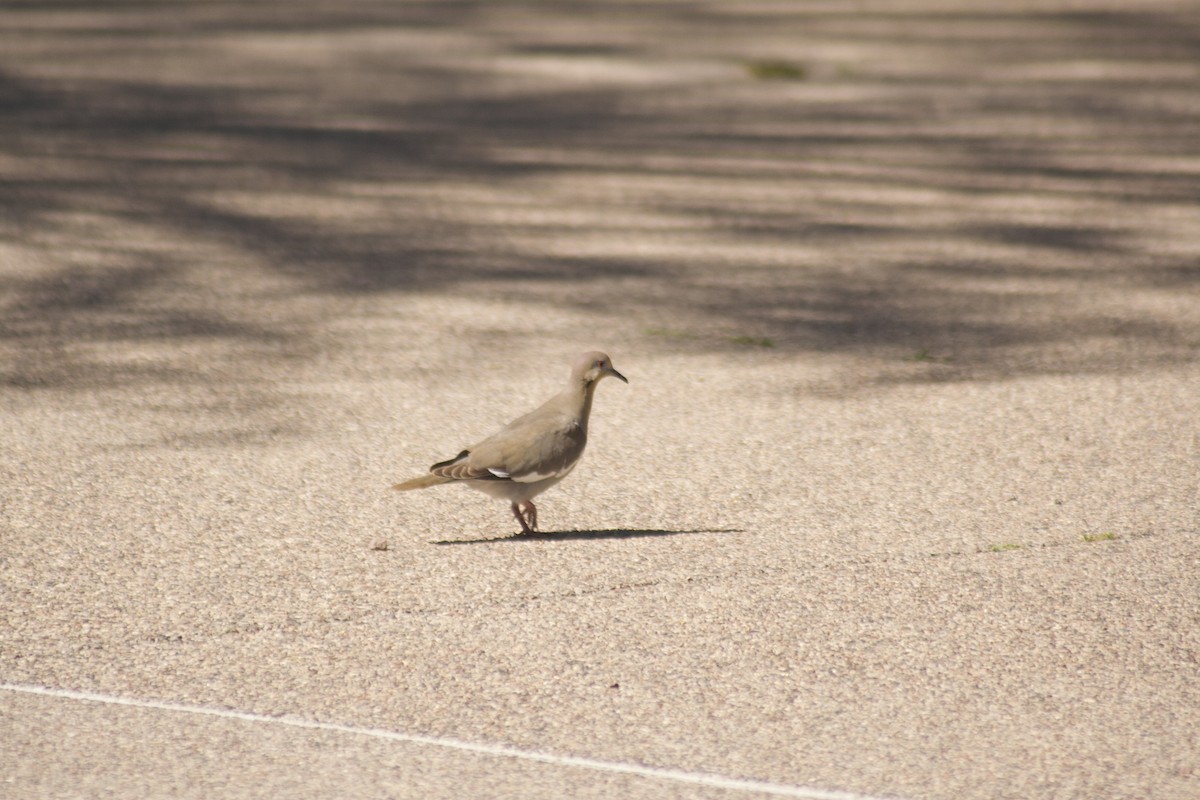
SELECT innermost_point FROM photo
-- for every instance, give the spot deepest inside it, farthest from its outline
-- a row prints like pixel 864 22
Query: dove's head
pixel 593 366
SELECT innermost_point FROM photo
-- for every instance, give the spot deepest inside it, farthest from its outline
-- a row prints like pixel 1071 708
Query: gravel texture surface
pixel 901 499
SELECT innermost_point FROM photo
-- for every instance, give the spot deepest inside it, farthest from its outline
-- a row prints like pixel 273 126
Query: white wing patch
pixel 499 473
pixel 534 477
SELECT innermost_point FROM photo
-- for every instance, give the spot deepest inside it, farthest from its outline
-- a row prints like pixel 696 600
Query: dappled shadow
pixel 940 182
pixel 570 536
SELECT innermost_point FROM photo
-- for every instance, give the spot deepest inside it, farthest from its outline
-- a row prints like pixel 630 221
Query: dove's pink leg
pixel 521 518
pixel 531 514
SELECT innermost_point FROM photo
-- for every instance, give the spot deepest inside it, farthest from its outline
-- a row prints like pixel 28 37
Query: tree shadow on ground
pixel 948 185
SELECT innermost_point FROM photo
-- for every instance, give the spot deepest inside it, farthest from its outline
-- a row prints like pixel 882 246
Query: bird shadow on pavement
pixel 563 536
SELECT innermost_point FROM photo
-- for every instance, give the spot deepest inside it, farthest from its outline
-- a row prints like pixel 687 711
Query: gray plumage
pixel 531 453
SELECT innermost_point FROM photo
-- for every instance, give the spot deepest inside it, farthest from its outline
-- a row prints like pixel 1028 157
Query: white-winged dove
pixel 531 453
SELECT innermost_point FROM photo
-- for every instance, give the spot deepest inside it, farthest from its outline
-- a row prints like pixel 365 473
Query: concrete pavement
pixel 902 497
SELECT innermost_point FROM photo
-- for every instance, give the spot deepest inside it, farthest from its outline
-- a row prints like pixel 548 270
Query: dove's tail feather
pixel 423 482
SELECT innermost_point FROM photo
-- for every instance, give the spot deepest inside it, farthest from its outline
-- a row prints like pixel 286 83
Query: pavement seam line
pixel 710 780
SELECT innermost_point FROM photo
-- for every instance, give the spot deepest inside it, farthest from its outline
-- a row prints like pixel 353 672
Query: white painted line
pixel 503 751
